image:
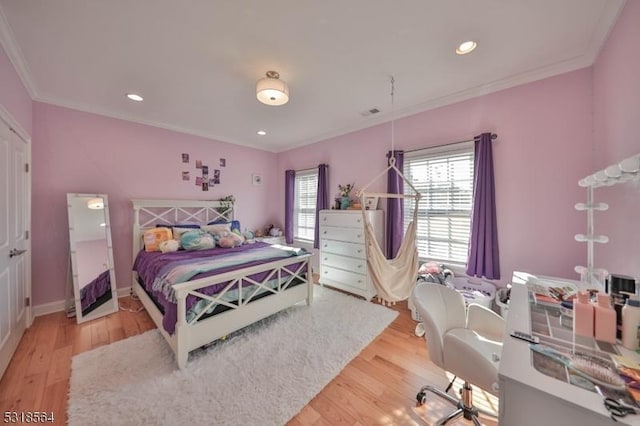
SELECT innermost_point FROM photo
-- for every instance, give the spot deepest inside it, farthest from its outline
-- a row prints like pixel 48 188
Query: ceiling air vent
pixel 369 112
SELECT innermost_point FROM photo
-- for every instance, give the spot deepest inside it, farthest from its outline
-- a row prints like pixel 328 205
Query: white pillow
pixel 218 229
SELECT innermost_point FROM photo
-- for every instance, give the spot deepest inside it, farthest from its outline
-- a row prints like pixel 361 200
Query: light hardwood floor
pixel 376 387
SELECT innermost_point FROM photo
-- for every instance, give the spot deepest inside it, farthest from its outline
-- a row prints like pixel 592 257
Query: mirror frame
pixel 73 239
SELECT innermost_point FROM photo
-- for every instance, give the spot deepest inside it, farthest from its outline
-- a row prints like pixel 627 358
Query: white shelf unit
pixel 343 255
pixel 625 171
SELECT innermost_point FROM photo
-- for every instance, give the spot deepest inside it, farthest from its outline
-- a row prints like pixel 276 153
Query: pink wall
pixel 616 88
pixel 542 150
pixel 13 96
pixel 86 153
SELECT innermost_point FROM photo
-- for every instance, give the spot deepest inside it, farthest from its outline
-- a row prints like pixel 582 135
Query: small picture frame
pixel 256 179
pixel 371 203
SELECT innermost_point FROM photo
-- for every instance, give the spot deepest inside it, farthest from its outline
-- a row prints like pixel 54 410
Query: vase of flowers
pixel 225 205
pixel 345 190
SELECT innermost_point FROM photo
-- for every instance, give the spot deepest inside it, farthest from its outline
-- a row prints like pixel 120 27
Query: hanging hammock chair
pixel 393 279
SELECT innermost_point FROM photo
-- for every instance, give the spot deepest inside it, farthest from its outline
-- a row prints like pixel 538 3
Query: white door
pixel 13 242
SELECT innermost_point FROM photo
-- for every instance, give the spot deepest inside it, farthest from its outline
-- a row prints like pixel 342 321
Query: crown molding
pixel 541 73
pixel 608 17
pixel 610 13
pixel 185 130
pixel 6 116
pixel 7 40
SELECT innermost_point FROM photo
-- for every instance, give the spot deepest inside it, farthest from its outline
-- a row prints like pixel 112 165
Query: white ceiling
pixel 197 62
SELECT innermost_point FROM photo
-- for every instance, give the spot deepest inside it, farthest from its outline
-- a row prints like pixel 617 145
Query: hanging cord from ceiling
pixel 392 160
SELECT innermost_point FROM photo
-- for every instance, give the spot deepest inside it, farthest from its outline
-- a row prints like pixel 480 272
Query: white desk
pixel 529 397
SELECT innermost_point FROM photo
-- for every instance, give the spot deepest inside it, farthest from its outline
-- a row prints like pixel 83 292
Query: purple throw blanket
pixel 149 265
pixel 96 288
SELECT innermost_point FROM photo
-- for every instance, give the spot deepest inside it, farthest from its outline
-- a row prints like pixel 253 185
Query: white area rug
pixel 262 375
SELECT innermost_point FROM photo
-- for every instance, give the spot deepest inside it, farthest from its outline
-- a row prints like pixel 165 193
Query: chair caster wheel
pixel 421 397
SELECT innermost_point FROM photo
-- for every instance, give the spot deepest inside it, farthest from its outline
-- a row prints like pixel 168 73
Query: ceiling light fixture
pixel 261 132
pixel 271 90
pixel 135 97
pixel 466 47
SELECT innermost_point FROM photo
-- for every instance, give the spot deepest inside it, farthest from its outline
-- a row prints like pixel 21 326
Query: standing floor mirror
pixel 94 283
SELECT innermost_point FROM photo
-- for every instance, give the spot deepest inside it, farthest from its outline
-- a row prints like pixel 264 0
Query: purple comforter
pixel 95 289
pixel 149 264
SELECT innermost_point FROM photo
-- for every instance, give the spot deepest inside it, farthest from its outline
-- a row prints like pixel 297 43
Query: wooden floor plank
pixel 377 387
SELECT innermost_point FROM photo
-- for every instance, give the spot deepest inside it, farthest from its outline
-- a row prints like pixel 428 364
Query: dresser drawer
pixel 329 275
pixel 349 263
pixel 347 220
pixel 353 235
pixel 343 248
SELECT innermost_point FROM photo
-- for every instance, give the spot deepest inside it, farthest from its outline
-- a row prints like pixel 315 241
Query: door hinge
pixel 26 167
pixel 26 235
pixel 27 301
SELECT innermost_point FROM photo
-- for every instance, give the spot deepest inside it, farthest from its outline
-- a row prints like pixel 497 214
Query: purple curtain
pixel 322 200
pixel 395 206
pixel 289 200
pixel 483 247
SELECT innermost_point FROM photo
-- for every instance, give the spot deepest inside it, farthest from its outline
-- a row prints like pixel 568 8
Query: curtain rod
pixel 493 136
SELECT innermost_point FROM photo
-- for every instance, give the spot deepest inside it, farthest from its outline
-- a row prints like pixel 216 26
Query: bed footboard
pixel 294 284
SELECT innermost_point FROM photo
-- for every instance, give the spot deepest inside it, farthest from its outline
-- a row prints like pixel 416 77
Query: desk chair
pixel 466 342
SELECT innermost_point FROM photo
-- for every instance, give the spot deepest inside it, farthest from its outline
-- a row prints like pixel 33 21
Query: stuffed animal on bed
pixel 197 239
pixel 169 246
pixel 154 236
pixel 230 239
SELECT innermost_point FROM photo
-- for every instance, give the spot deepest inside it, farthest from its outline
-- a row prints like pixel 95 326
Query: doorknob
pixel 16 252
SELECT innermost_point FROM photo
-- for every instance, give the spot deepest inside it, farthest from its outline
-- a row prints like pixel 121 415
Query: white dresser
pixel 343 259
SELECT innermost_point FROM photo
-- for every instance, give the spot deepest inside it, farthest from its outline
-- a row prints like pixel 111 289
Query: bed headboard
pixel 149 213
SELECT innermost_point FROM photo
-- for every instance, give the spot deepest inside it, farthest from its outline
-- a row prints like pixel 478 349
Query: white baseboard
pixel 61 305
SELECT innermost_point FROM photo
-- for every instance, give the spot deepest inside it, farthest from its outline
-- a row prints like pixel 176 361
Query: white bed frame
pixel 198 332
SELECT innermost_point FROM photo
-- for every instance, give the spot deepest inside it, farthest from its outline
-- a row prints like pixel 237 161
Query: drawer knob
pixel 359 235
pixel 359 250
pixel 359 220
pixel 325 258
pixel 324 218
pixel 359 281
pixel 325 272
pixel 325 246
pixel 359 266
pixel 325 232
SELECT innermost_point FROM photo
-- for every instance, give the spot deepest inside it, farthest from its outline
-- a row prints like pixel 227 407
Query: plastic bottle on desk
pixel 605 319
pixel 630 323
pixel 583 315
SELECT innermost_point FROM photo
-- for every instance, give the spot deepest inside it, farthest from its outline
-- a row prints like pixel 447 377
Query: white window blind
pixel 444 177
pixel 305 204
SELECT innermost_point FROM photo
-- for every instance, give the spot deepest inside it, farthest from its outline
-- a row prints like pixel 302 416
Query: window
pixel 304 213
pixel 444 177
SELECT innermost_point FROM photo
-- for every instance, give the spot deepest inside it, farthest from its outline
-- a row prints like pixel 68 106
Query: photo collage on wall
pixel 204 178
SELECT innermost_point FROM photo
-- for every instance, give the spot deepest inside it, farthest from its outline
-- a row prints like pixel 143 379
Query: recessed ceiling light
pixel 135 97
pixel 466 47
pixel 261 132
